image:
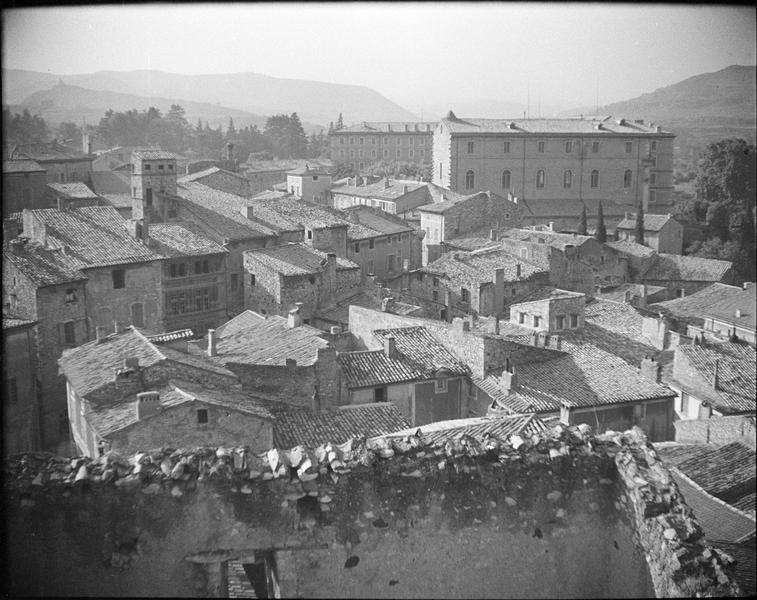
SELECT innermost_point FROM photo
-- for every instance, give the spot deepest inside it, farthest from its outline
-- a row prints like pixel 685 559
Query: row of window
pixel 394 239
pixel 199 267
pixel 570 145
pixel 559 320
pixel 361 140
pixel 398 153
pixel 161 167
pixel 541 179
pixel 190 301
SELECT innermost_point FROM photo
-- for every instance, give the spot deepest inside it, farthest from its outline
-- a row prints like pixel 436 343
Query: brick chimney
pixel 386 183
pixel 509 379
pixel 390 347
pixel 650 369
pixel 295 318
pixel 248 211
pixel 148 404
pixel 212 343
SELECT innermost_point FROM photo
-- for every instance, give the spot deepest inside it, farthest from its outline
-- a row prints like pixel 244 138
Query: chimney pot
pixel 738 313
pixel 390 346
pixel 100 334
pixel 336 330
pixel 212 342
pixel 295 318
pixel 148 404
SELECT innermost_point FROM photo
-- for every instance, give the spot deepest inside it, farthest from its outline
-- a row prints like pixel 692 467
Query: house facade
pixel 62 164
pixel 395 196
pixel 308 183
pixel 24 184
pixel 21 410
pixel 661 232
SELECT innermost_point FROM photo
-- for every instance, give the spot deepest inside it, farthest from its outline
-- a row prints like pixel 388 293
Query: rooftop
pixel 42 266
pixel 21 166
pixel 480 266
pixel 417 346
pixel 182 239
pixel 687 268
pixel 295 427
pixel 47 152
pixel 153 155
pixel 207 172
pixel 452 199
pixel 556 240
pixel 389 127
pixel 652 222
pixel 586 126
pixel 266 166
pixel 243 320
pixel 111 182
pixel 377 220
pixel 548 293
pixel 631 248
pixel 695 305
pixel 744 301
pixel 386 189
pixel 75 190
pixel 296 259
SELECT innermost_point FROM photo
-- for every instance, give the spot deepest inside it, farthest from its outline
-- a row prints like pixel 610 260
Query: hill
pixel 314 101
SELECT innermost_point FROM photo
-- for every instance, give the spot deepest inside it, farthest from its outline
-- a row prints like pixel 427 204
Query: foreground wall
pixel 537 518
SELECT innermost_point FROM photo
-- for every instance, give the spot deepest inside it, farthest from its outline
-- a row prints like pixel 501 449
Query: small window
pixel 440 385
pixel 373 154
pixel 470 179
pixel 310 234
pixel 435 282
pixel 182 269
pixel 371 244
pixel 119 279
pixel 537 320
pixel 399 152
pixel 595 179
pixel 464 295
pixel 411 153
pixel 653 146
pixel 574 321
pixel 567 181
pixel 390 262
pixel 379 394
pixel 361 141
pixel 386 153
pixel 202 415
pixel 148 196
pixel 506 148
pixel 69 336
pixel 595 147
pixel 70 295
pixel 653 196
pixel 627 178
pixel 653 179
pixel 513 292
pixel 522 318
pixel 148 167
pixel 352 141
pixel 629 147
pixel 252 279
pixel 560 322
pixel 133 192
pixel 357 248
pixel 541 146
pixel 506 176
pixel 435 296
pixel 470 147
pixel 170 167
pixel 161 167
pixel 540 178
pixel 569 146
pixel 234 282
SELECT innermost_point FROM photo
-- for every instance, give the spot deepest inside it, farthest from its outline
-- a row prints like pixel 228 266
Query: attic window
pixel 202 415
pixel 70 295
pixel 440 385
pixel 310 234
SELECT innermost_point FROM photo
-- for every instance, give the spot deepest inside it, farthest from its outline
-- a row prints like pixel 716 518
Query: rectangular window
pixel 629 147
pixel 69 336
pixel 252 279
pixel 170 167
pixel 399 140
pixel 379 394
pixel 386 153
pixel 653 147
pixel 371 244
pixel 653 179
pixel 560 322
pixel 357 248
pixel 373 141
pixel 652 196
pixel 148 167
pixel 569 146
pixel 234 282
pixel 470 147
pixel 202 415
pixel 574 321
pixel 464 295
pixel 541 146
pixel 70 296
pixel 537 319
pixel 435 296
pixel 399 152
pixel 352 141
pixel 595 147
pixel 521 318
pixel 161 167
pixel 440 385
pixel 390 262
pixel 370 266
pixel 341 141
pixel 412 140
pixel 423 153
pixel 507 147
pixel 411 153
pixel 119 279
pixel 435 282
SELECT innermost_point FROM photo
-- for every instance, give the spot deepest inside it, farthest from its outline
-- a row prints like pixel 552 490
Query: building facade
pixel 587 158
pixel 661 232
pixel 308 183
pixel 24 184
pixel 62 164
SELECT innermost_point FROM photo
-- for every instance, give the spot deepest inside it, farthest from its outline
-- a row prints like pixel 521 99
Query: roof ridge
pixel 152 346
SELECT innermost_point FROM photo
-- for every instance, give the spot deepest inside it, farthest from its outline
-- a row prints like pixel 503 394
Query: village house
pixel 21 410
pixel 195 162
pixel 220 179
pixel 265 174
pixel 456 215
pixel 661 232
pixel 413 371
pixel 713 379
pixel 395 196
pixel 734 316
pixel 309 183
pixel 366 143
pixel 71 195
pixel 625 161
pixel 61 163
pixel 684 275
pixel 23 186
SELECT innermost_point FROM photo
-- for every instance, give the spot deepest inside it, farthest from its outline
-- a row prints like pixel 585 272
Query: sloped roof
pixel 243 320
pixel 480 266
pixel 695 305
pixel 454 199
pixel 583 126
pixel 296 259
pixel 550 238
pixel 687 268
pixel 744 301
pixel 631 248
pixel 75 190
pixel 374 367
pixel 295 427
pixel 153 155
pixel 415 345
pixel 745 556
pixel 651 222
pixel 94 236
pixel 110 182
pixel 181 239
pixel 388 127
pixel 548 293
pixel 386 189
pixel 377 220
pixel 21 166
pixel 48 152
pixel 44 267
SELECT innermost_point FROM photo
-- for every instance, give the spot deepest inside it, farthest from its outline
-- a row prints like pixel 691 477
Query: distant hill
pixel 72 103
pixel 698 110
pixel 314 101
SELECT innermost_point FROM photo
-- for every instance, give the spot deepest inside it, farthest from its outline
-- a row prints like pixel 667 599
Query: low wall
pixel 561 515
pixel 716 430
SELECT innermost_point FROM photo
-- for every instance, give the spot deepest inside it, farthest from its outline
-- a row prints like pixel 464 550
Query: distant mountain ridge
pixel 314 101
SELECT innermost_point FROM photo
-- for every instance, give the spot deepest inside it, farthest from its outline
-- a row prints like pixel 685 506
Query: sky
pixel 415 54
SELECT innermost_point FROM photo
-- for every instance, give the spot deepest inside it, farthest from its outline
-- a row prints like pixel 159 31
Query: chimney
pixel 627 296
pixel 404 189
pixel 248 211
pixel 295 318
pixel 551 225
pixel 335 330
pixel 518 271
pixel 493 235
pixel 509 380
pixel 738 313
pixel 148 404
pixel 229 151
pixel 100 334
pixel 495 326
pixel 471 322
pixel 390 347
pixel 650 369
pixel 716 378
pixel 212 342
pixel 387 185
pixel 748 284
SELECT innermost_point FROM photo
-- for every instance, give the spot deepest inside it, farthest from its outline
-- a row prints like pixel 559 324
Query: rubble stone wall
pixel 716 430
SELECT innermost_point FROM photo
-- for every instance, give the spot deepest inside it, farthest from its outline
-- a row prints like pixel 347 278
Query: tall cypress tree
pixel 640 225
pixel 339 122
pixel 582 222
pixel 601 228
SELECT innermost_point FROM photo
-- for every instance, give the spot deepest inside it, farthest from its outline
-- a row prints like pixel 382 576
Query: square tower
pixel 152 172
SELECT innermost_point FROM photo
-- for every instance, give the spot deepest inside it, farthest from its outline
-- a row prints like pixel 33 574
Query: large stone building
pixel 395 196
pixel 584 158
pixel 364 144
pixel 62 164
pixel 23 186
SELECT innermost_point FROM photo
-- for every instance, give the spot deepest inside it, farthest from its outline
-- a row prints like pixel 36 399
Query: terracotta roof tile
pixel 687 268
pixel 652 222
pixel 548 293
pixel 13 322
pixel 243 320
pixel 373 367
pixel 480 265
pixel 75 190
pixel 745 555
pixel 43 266
pixel 153 155
pixel 295 259
pixel 744 301
pixel 48 152
pixel 452 199
pixel 392 191
pixel 556 240
pixel 415 345
pixel 695 305
pixel 631 248
pixel 111 182
pixel 181 239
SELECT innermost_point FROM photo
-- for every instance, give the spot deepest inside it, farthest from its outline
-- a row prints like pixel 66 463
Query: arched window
pixel 540 178
pixel 567 180
pixel 595 179
pixel 627 178
pixel 469 180
pixel 505 180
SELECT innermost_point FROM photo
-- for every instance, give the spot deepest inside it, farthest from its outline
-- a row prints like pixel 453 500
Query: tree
pixel 24 128
pixel 339 123
pixel 582 222
pixel 639 229
pixel 601 228
pixel 69 131
pixel 231 131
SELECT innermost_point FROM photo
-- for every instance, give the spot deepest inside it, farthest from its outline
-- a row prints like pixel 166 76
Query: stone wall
pixel 560 514
pixel 716 430
pixel 24 190
pixel 21 405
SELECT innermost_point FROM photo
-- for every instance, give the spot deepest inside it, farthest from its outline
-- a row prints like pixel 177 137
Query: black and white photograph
pixel 379 300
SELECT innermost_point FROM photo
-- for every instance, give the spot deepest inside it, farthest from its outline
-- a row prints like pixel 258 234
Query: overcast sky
pixel 411 53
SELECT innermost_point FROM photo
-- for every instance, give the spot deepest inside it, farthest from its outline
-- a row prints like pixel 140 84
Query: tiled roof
pixel 304 427
pixel 13 322
pixel 228 398
pixel 722 471
pixel 523 400
pixel 220 212
pixel 395 189
pixel 171 336
pixel 479 266
pixel 153 155
pixel 118 200
pixel 479 428
pixel 389 127
pixel 180 239
pixel 295 259
pixel 651 222
pixel 618 293
pixel 94 236
pixel 377 220
pixel 197 360
pixel 415 345
pixel 556 240
pixel 270 195
pixel 267 166
pixel 243 320
pixel 695 305
pixel 290 214
pixel 72 190
pixel 110 182
pixel 745 301
pixel 719 520
pixel 548 293
pixel 340 313
pixel 631 248
pixel 270 342
pixel 583 126
pixel 745 555
pixel 204 173
pixel 736 389
pixel 471 242
pixel 687 268
pixel 308 169
pixel 47 152
pixel 44 267
pixel 455 199
pixel 373 367
pixel 21 166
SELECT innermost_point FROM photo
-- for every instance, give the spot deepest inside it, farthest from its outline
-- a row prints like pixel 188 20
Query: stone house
pixel 277 278
pixel 24 184
pixel 484 281
pixel 265 174
pixel 128 394
pixel 549 309
pixel 61 163
pixel 733 316
pixel 456 215
pixel 21 408
pixel 684 275
pixel 395 196
pixel 625 161
pixel 71 195
pixel 308 183
pixel 563 215
pixel 413 371
pixel 661 232
pixel 221 179
pixel 367 143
